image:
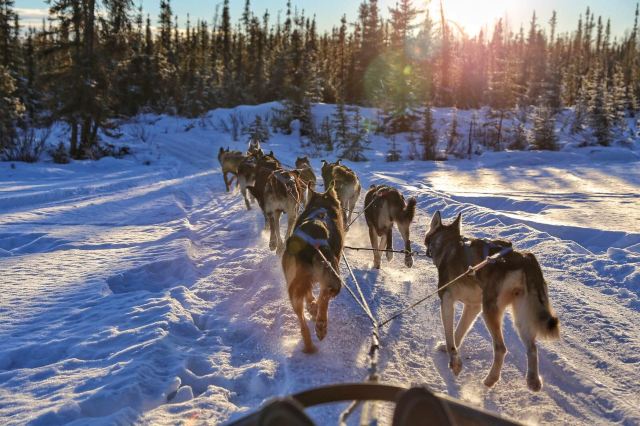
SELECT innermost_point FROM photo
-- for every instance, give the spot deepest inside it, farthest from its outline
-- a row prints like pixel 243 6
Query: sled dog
pixel 386 206
pixel 306 172
pixel 265 165
pixel 247 174
pixel 283 193
pixel 319 228
pixel 516 280
pixel 346 184
pixel 229 161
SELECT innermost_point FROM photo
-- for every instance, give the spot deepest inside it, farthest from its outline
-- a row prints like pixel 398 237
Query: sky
pixel 470 14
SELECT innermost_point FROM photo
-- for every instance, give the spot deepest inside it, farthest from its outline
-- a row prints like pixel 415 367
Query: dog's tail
pixel 547 323
pixel 409 210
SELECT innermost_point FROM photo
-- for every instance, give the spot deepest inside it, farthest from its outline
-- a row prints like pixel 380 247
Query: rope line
pixel 337 275
pixel 412 253
pixel 353 277
pixel 470 271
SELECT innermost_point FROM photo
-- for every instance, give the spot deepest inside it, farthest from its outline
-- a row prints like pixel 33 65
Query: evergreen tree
pixel 428 136
pixel 258 130
pixel 10 111
pixel 340 122
pixel 453 135
pixel 357 139
pixel 543 134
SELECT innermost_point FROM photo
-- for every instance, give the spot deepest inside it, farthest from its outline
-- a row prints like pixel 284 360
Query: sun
pixel 471 16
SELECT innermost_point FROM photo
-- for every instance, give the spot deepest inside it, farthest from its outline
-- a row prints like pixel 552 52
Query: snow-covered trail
pixel 146 294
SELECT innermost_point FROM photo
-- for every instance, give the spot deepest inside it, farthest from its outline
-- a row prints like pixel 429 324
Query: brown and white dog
pixel 346 183
pixel 514 281
pixel 229 161
pixel 384 207
pixel 306 172
pixel 247 174
pixel 283 193
pixel 265 165
pixel 319 228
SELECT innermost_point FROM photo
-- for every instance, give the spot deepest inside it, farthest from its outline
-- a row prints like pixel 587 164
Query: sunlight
pixel 471 15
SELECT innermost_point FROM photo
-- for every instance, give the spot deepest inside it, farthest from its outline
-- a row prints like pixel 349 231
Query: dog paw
pixel 312 308
pixel 441 347
pixel 389 256
pixel 321 329
pixel 534 383
pixel 455 364
pixel 310 349
pixel 408 262
pixel 376 266
pixel 273 245
pixel 490 380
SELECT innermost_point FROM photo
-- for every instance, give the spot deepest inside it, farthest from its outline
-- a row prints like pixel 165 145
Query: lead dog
pixel 514 281
pixel 346 184
pixel 319 228
pixel 384 207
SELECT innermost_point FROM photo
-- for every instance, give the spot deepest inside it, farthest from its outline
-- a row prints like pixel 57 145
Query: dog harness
pixel 487 246
pixel 321 214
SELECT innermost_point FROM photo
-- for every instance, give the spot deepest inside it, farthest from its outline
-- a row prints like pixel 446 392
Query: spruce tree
pixel 357 139
pixel 429 135
pixel 543 133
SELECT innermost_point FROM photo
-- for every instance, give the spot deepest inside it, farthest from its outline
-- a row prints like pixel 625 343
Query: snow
pixel 138 291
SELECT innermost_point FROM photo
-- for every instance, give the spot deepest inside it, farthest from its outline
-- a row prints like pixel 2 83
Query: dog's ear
pixel 339 162
pixel 456 223
pixel 436 221
pixel 296 172
pixel 221 150
pixel 324 162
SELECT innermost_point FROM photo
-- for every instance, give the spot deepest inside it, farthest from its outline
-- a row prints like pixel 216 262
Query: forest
pixel 93 63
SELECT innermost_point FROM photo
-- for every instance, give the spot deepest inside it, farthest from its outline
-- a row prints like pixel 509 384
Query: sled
pixel 415 406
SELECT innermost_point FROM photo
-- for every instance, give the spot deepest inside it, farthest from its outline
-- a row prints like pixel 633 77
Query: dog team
pixel 317 223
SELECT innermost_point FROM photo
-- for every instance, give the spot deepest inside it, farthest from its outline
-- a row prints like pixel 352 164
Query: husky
pixel 346 184
pixel 283 193
pixel 247 174
pixel 229 161
pixel 319 228
pixel 265 165
pixel 254 146
pixel 514 281
pixel 306 172
pixel 384 206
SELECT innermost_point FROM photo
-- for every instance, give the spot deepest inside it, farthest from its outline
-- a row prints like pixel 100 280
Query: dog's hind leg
pixel 243 191
pixel 527 330
pixel 226 180
pixel 274 227
pixel 493 320
pixel 447 313
pixel 382 245
pixel 390 243
pixel 292 216
pixel 297 290
pixel 312 305
pixel 322 319
pixel 373 236
pixel 469 314
pixel 534 382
